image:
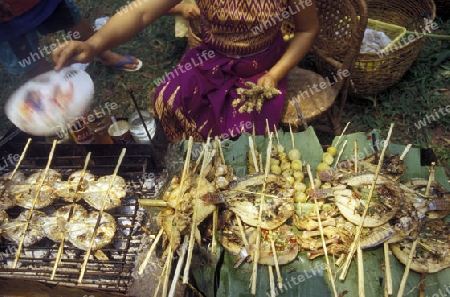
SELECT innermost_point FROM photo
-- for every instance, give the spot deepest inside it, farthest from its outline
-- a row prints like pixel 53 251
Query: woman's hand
pixel 73 52
pixel 187 10
pixel 267 80
pixel 190 11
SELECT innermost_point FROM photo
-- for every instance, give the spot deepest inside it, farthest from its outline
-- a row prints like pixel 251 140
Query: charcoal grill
pixel 141 162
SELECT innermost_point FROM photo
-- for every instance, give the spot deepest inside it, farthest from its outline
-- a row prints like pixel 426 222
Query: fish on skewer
pixel 285 242
pixel 26 193
pixel 351 195
pixel 431 254
pixel 51 177
pixel 244 198
pixel 55 225
pixel 7 200
pixel 12 230
pixel 79 231
pixel 95 194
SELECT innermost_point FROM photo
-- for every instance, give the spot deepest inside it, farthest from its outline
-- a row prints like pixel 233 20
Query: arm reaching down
pixel 306 28
pixel 123 26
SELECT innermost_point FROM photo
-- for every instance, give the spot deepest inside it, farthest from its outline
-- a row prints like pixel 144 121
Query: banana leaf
pixel 304 277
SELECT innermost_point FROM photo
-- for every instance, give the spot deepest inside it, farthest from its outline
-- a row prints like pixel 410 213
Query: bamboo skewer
pixel 168 269
pixel 152 202
pixel 405 151
pixel 408 264
pixel 207 157
pixel 183 178
pixel 355 242
pixel 276 134
pixel 99 218
pixel 30 212
pixel 258 227
pixel 430 178
pixel 163 272
pixel 275 260
pixel 214 236
pixel 184 247
pixel 22 156
pixel 63 236
pixel 150 251
pixel 388 288
pixel 414 245
pixel 242 232
pixel 253 153
pixel 359 251
pixel 340 153
pixel 361 292
pixel 342 134
pixel 319 220
pixel 271 282
pixel 292 136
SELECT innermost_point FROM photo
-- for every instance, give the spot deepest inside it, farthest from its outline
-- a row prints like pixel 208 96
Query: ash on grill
pixel 109 268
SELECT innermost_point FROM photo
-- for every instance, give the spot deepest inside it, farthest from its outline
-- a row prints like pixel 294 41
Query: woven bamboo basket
pixel 373 74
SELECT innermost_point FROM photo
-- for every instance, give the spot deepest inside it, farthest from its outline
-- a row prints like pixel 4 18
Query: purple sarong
pixel 196 97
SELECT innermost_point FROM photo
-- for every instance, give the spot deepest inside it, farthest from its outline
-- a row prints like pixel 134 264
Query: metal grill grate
pixel 138 168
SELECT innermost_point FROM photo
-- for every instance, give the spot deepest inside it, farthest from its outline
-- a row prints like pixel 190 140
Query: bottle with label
pixel 137 129
pixel 80 132
pixel 98 126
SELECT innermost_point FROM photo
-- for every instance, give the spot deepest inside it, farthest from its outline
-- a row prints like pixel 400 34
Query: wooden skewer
pixel 340 153
pixel 276 133
pixel 152 202
pixel 414 245
pixel 176 276
pixel 407 148
pixel 214 228
pixel 430 178
pixel 22 156
pixel 206 161
pixel 63 236
pixel 30 212
pixel 253 153
pixel 319 220
pixel 292 136
pixel 275 260
pixel 342 134
pixel 163 272
pixel 219 145
pixel 366 207
pixel 150 252
pixel 168 269
pixel 258 226
pixel 99 218
pixel 408 264
pixel 242 232
pixel 359 253
pixel 388 272
pixel 184 175
pixel 271 282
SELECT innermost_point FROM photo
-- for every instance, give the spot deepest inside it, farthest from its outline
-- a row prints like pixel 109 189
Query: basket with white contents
pixel 402 22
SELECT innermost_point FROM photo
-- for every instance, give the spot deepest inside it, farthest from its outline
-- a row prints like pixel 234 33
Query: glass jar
pixel 137 129
pixel 98 126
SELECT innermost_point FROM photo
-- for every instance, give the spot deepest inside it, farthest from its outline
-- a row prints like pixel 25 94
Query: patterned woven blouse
pixel 240 27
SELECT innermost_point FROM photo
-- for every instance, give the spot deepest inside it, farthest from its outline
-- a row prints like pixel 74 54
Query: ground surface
pixel 422 91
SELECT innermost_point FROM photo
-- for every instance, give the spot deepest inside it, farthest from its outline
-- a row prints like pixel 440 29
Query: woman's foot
pixel 124 62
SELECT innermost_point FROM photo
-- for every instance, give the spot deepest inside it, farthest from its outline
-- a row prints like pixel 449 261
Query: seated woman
pixel 241 42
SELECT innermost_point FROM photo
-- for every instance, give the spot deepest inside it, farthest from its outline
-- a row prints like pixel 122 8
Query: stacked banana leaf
pixel 215 276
